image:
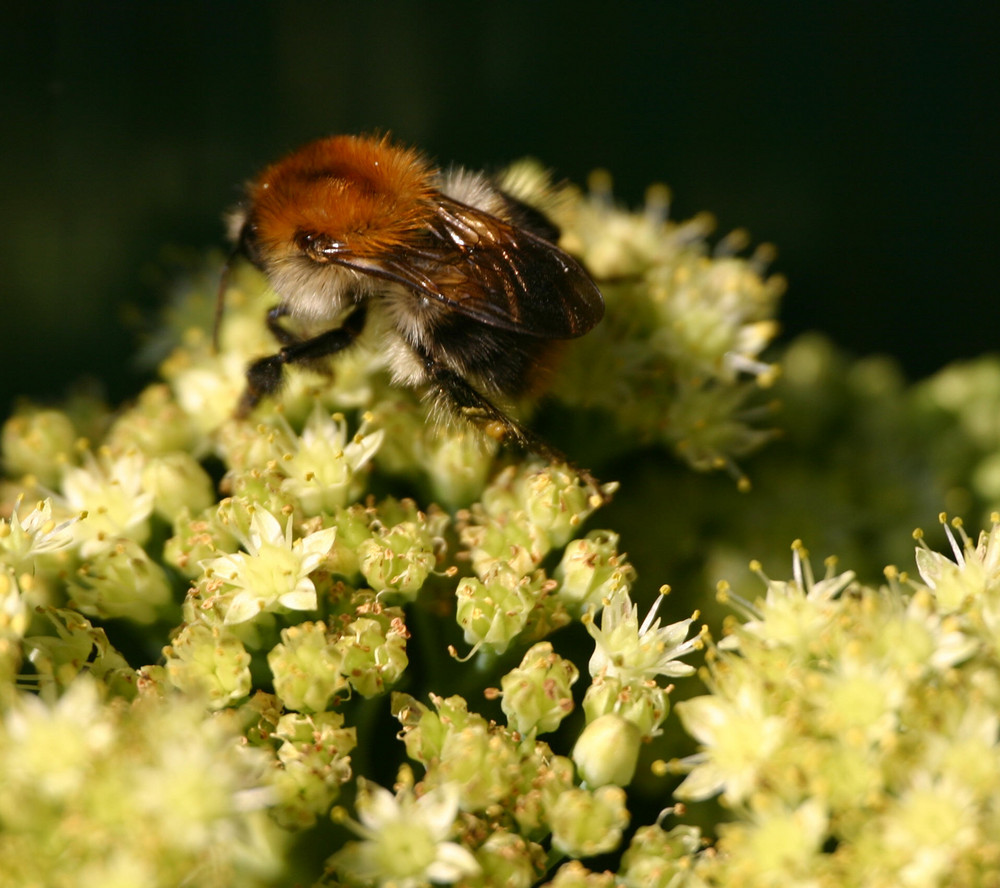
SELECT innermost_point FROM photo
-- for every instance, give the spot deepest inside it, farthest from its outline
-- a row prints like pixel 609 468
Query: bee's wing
pixel 487 269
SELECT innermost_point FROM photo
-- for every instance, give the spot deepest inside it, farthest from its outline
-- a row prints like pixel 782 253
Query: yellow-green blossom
pixel 591 570
pixel 110 490
pixel 373 647
pixel 856 718
pixel 203 660
pixel 634 653
pixel 196 539
pixel 507 859
pixel 644 704
pixel 207 390
pixel 73 646
pixel 779 844
pixel 485 762
pixel 797 611
pixel 494 612
pixel 33 532
pixel 404 839
pixel 396 560
pixel 39 443
pixel 851 731
pixel 458 464
pixel 677 357
pixel 493 768
pixel 177 481
pixel 738 736
pixel 155 425
pixel 321 467
pixel 660 858
pixel 13 607
pixel 523 515
pixel 973 575
pixel 575 875
pixel 273 572
pixel 156 791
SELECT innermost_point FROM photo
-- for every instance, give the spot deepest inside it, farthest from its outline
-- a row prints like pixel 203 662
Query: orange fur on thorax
pixel 355 190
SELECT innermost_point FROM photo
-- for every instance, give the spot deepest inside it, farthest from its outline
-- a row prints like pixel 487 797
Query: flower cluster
pixel 222 639
pixel 678 361
pixel 853 731
pixel 272 579
pixel 99 791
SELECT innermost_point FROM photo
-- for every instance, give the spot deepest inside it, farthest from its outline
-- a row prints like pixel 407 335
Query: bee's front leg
pixel 277 329
pixel 266 375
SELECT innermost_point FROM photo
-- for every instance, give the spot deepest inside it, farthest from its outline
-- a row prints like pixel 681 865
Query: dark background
pixel 860 138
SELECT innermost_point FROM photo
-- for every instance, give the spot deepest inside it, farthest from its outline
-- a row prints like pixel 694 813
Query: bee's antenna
pixel 220 297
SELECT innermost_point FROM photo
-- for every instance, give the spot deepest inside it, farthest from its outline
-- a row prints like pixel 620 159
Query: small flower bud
pixel 607 751
pixel 587 823
pixel 353 528
pixel 373 648
pixel 122 582
pixel 544 778
pixel 74 648
pixel 196 539
pixel 38 442
pixel 425 729
pixel 556 502
pixel 13 609
pixel 397 560
pixel 483 763
pixel 509 543
pixel 493 613
pixel 575 875
pixel 536 695
pixel 510 860
pixel 155 425
pixel 661 858
pixel 306 668
pixel 592 570
pixel 643 704
pixel 207 389
pixel 202 660
pixel 315 759
pixel 458 465
pixel 177 481
pixel 247 447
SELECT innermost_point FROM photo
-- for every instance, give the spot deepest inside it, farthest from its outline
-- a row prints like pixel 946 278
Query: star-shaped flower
pixel 404 839
pixel 273 573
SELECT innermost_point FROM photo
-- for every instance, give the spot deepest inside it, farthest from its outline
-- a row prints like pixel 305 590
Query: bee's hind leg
pixel 463 399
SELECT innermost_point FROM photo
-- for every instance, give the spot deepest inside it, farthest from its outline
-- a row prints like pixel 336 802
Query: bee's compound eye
pixel 316 244
pixel 249 244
